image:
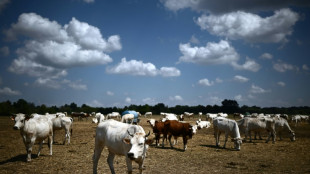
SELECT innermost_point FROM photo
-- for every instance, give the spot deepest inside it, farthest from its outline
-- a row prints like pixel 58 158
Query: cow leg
pixel 226 137
pixel 50 143
pixel 129 165
pixel 164 137
pixel 40 147
pixel 110 161
pixel 185 142
pixel 54 136
pixel 97 153
pixel 29 143
pixel 249 132
pixel 67 136
pixel 169 138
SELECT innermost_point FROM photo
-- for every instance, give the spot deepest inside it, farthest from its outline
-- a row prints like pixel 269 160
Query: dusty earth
pixel 201 156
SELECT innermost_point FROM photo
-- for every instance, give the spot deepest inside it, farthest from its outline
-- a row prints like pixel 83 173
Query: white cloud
pixel 128 100
pixel 205 82
pixel 283 67
pixel 239 97
pixel 218 80
pixel 52 48
pixel 218 7
pixel 258 90
pixel 139 68
pixel 176 98
pixel 305 67
pixel 169 72
pixel 4 51
pixel 212 53
pixel 194 40
pixel 89 1
pixel 52 83
pixel 9 91
pixel 239 78
pixel 251 27
pixel 149 101
pixel 95 103
pixel 266 56
pixel 281 84
pixel 75 85
pixel 109 93
pixel 249 65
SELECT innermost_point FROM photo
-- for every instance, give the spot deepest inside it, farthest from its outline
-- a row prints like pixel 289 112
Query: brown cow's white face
pixel 139 145
pixel 19 121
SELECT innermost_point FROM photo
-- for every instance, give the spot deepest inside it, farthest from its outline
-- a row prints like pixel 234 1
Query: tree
pixel 230 106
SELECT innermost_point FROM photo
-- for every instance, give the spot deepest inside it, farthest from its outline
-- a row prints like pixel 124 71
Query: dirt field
pixel 201 156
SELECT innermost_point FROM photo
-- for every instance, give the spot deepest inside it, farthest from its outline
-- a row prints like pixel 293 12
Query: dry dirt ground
pixel 201 156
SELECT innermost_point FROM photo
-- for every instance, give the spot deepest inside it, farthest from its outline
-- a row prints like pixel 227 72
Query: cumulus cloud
pixel 305 67
pixel 239 78
pixel 258 90
pixel 205 82
pixel 281 84
pixel 128 100
pixel 4 51
pixel 55 84
pixel 266 56
pixel 148 100
pixel 218 7
pixel 139 68
pixel 109 93
pixel 51 49
pixel 239 97
pixel 95 103
pixel 283 67
pixel 250 27
pixel 176 98
pixel 9 91
pixel 212 53
pixel 249 65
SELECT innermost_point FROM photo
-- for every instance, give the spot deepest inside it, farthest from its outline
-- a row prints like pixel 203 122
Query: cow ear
pixel 149 141
pixel 126 140
pixel 12 118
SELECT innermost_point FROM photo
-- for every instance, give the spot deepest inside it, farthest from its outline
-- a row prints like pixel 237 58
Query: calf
pixel 32 129
pixel 177 129
pixel 120 139
pixel 229 127
pixel 201 124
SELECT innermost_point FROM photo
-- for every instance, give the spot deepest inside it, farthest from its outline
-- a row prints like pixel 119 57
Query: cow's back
pixel 38 127
pixel 176 128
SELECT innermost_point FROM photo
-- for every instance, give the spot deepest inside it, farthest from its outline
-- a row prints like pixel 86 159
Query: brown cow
pixel 177 129
pixel 158 129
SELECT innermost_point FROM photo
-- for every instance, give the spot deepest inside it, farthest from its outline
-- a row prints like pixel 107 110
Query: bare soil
pixel 201 156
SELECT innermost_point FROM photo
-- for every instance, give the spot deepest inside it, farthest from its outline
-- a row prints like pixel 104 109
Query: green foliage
pixel 228 106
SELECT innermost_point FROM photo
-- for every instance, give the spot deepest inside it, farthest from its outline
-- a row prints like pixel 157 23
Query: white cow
pixel 99 117
pixel 200 114
pixel 148 114
pixel 257 125
pixel 128 118
pixel 224 115
pixel 114 115
pixel 282 125
pixel 187 114
pixel 32 129
pixel 201 124
pixel 229 127
pixel 60 121
pixel 170 117
pixel 211 116
pixel 121 139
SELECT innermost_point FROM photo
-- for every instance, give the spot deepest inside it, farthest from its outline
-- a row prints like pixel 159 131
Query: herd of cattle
pixel 122 137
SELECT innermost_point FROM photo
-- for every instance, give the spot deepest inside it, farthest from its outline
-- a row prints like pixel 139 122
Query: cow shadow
pixel 19 158
pixel 217 147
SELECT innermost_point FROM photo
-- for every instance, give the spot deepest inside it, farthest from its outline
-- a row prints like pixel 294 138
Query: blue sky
pixel 177 52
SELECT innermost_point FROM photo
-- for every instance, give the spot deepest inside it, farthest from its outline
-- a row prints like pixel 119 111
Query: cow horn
pixel 129 133
pixel 148 134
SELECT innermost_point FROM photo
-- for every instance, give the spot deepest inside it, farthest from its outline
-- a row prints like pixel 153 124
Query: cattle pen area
pixel 201 156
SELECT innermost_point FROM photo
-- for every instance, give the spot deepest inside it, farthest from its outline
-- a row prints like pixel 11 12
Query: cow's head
pixel 194 129
pixel 237 143
pixel 19 120
pixel 292 135
pixel 139 144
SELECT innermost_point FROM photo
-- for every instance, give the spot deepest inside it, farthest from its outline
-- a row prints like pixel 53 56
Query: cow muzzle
pixel 130 156
pixel 16 128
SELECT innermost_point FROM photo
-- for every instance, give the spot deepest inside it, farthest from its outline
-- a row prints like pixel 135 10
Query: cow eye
pixel 140 144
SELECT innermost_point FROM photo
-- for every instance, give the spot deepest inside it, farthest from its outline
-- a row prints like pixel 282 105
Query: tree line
pixel 228 106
